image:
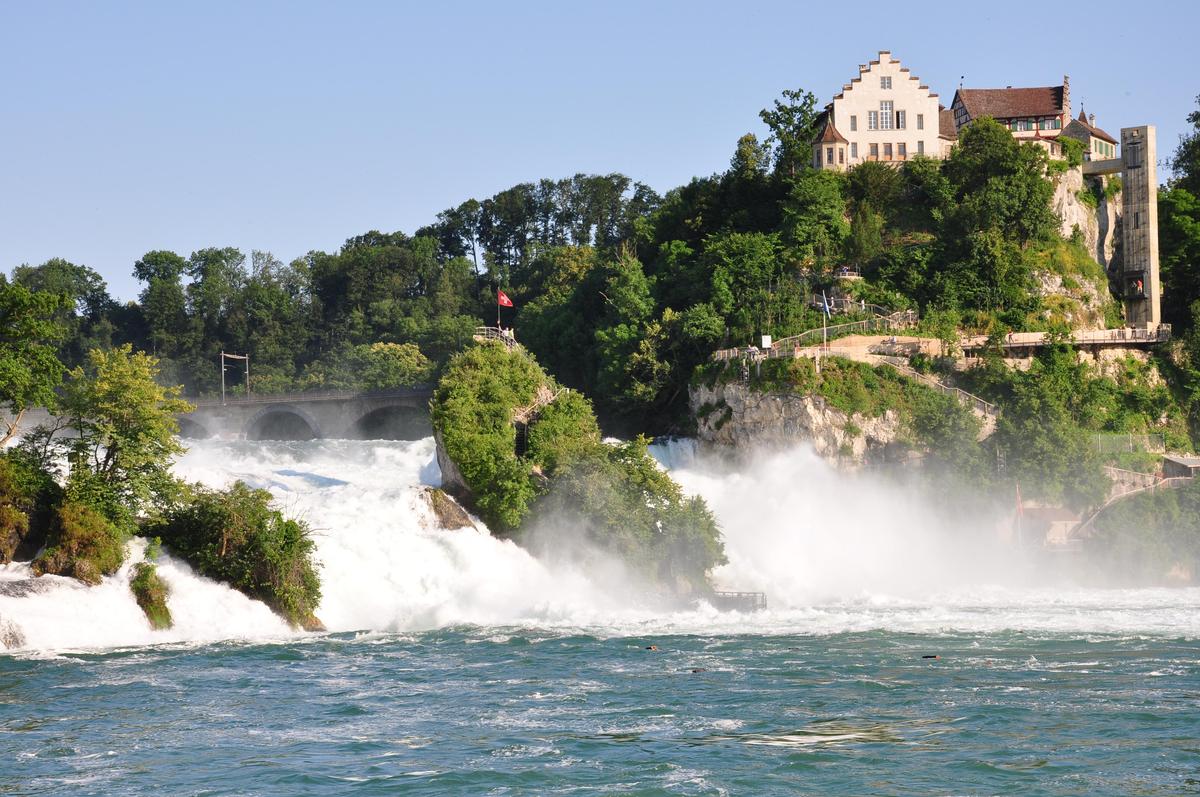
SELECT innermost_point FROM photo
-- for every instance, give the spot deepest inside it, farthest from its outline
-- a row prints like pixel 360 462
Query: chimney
pixel 1066 100
pixel 1092 119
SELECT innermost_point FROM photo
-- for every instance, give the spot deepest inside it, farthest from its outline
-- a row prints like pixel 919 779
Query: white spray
pixel 833 553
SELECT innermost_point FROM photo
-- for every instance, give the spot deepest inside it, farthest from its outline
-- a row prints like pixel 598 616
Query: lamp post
pixel 225 357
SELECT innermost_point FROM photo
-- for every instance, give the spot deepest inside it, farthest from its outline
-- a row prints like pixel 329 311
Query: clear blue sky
pixel 291 126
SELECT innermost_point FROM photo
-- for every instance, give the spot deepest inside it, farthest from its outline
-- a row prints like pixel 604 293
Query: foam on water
pixel 833 552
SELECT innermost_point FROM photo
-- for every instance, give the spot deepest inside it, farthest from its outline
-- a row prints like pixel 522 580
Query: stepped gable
pixel 865 68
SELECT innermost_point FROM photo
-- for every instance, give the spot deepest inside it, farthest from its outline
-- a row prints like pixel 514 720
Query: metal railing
pixel 314 395
pixel 504 336
pixel 787 347
pixel 970 399
pixel 1159 334
pixel 1116 443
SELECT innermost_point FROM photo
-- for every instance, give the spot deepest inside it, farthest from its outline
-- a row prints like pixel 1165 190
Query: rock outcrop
pixel 736 415
pixel 1098 224
pixel 449 513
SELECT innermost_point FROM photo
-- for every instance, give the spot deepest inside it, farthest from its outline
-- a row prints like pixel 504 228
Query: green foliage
pixel 235 536
pixel 27 495
pixel 1153 538
pixel 151 593
pixel 82 543
pixel 473 409
pixel 620 500
pixel 814 225
pixel 1072 150
pixel 1186 161
pixel 29 367
pixel 792 122
pixel 558 468
pixel 124 434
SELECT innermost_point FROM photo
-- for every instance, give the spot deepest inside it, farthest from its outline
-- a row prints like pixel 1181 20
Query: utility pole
pixel 224 357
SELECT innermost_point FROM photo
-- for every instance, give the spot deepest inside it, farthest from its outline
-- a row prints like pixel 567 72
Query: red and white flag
pixel 502 299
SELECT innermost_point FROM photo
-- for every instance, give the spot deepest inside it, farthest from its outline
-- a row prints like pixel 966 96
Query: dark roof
pixel 1092 129
pixel 1187 462
pixel 829 134
pixel 1011 103
pixel 946 126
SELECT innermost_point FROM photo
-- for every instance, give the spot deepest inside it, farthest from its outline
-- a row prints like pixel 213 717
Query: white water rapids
pixel 832 552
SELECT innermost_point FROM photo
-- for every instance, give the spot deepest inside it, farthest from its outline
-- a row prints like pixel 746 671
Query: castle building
pixel 885 114
pixel 1097 144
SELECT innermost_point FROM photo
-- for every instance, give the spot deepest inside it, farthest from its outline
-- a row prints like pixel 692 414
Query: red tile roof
pixel 1012 103
pixel 829 134
pixel 946 126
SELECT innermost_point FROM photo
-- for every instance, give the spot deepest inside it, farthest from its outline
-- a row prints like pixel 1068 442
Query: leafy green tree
pixel 1186 160
pixel 999 185
pixel 814 223
pixel 792 121
pixel 86 309
pixel 380 366
pixel 124 434
pixel 29 367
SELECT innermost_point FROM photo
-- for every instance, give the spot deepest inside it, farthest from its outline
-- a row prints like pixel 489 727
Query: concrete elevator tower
pixel 1139 278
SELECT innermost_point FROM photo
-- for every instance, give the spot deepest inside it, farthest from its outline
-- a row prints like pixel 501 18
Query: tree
pixel 125 431
pixel 1186 162
pixel 814 218
pixel 793 127
pixel 29 367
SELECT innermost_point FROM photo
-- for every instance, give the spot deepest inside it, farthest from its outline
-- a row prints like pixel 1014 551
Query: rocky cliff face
pixel 1098 225
pixel 736 415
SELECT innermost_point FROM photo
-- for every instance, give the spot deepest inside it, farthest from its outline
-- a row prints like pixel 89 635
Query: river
pixel 900 654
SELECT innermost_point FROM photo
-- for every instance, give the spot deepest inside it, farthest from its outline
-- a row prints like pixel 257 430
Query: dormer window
pixel 885 82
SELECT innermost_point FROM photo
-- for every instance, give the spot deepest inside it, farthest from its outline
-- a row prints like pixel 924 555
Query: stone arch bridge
pixel 398 414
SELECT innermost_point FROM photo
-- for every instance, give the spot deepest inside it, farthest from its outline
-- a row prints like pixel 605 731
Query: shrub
pixel 27 494
pixel 151 593
pixel 82 543
pixel 235 536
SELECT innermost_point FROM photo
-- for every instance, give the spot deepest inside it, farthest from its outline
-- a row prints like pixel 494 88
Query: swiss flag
pixel 502 299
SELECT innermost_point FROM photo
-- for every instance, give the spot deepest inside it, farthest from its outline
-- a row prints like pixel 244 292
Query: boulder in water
pixel 448 511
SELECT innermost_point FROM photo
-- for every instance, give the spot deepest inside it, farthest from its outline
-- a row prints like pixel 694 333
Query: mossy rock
pixel 81 544
pixel 235 536
pixel 449 514
pixel 151 593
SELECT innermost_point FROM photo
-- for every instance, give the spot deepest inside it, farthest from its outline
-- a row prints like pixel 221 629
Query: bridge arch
pixel 281 422
pixel 393 422
pixel 191 430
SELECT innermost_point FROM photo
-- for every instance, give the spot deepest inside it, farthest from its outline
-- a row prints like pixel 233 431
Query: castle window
pixel 921 147
pixel 920 121
pixel 872 120
pixel 885 82
pixel 853 149
pixel 853 123
pixel 829 155
pixel 887 152
pixel 874 152
pixel 900 120
pixel 841 154
pixel 902 150
pixel 885 114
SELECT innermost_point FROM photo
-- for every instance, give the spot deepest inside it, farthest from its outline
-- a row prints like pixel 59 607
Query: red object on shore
pixel 502 299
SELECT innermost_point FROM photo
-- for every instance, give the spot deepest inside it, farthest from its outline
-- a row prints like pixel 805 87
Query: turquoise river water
pixel 459 664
